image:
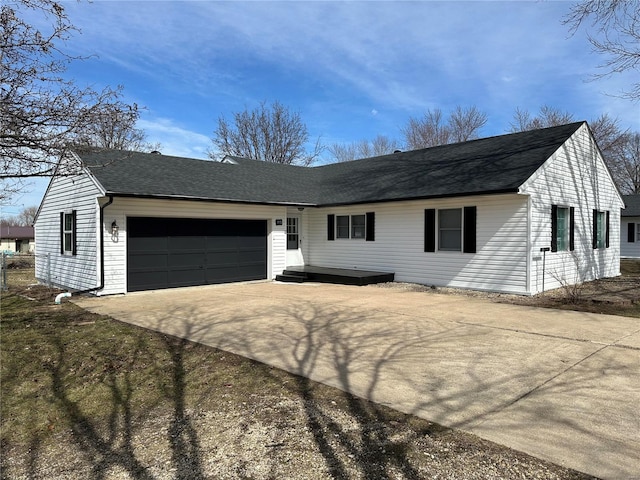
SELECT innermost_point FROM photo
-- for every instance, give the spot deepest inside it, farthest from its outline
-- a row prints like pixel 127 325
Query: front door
pixel 294 241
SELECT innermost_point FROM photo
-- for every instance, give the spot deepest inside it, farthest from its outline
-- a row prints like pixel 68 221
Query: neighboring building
pixel 630 227
pixel 509 213
pixel 17 240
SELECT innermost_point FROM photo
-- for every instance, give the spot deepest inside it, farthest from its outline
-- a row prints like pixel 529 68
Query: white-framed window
pixel 563 229
pixel 293 234
pixel 68 233
pixel 450 229
pixel 342 226
pixel 358 226
pixel 600 229
pixel 351 226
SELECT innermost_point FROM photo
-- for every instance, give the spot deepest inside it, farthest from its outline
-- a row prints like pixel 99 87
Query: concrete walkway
pixel 562 386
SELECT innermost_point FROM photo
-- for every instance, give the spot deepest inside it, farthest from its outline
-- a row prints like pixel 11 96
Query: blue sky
pixel 352 70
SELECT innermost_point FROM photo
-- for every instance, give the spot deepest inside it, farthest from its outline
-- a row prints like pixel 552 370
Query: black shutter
pixel 430 230
pixel 554 228
pixel 631 232
pixel 370 235
pixel 606 233
pixel 331 227
pixel 469 240
pixel 74 250
pixel 595 229
pixel 61 233
pixel 572 222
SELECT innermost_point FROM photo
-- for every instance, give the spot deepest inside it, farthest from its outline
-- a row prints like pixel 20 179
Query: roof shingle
pixel 632 203
pixel 488 165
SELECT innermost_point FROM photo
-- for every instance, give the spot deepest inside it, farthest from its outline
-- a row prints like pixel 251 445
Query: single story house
pixel 630 227
pixel 517 213
pixel 17 239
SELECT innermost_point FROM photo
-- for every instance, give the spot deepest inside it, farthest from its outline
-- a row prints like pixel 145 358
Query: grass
pixel 85 396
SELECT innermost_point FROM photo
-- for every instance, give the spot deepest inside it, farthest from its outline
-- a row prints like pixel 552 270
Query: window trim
pixel 468 230
pixel 459 229
pixel 569 237
pixel 601 219
pixel 347 231
pixel 361 227
pixel 68 248
pixel 341 234
pixel 293 230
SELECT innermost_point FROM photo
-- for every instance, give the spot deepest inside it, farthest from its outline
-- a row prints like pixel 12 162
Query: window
pixel 68 233
pixel 342 226
pixel 450 229
pixel 562 228
pixel 357 226
pixel 600 229
pixel 292 233
pixel 352 226
pixel 455 232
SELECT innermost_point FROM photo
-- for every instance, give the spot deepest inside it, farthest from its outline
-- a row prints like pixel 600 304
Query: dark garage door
pixel 180 252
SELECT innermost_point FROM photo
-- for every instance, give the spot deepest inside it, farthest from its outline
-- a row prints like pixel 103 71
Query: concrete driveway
pixel 562 386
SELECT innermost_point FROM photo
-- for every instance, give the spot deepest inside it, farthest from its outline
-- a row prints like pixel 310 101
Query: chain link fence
pixel 19 270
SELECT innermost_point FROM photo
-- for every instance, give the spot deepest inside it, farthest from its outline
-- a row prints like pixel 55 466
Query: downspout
pixel 101 286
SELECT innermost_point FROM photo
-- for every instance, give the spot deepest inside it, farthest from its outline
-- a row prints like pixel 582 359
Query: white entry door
pixel 294 241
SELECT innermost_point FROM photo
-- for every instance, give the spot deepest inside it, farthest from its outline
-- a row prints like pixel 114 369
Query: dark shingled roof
pixel 16 232
pixel 489 165
pixel 632 203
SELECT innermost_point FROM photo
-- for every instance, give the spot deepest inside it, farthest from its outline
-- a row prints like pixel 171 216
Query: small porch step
pixel 292 277
pixel 344 276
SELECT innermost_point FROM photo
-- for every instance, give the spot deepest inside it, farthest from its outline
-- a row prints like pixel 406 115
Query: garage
pixel 181 252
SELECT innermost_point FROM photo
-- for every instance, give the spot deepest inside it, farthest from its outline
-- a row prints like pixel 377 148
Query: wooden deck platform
pixel 344 276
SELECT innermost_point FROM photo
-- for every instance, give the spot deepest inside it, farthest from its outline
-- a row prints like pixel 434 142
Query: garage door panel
pixel 186 277
pixel 148 244
pixel 149 280
pixel 170 252
pixel 149 261
pixel 185 259
pixel 252 256
pixel 222 258
pixel 186 243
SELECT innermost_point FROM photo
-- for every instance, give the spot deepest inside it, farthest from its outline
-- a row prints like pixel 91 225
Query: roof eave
pixel 423 197
pixel 206 199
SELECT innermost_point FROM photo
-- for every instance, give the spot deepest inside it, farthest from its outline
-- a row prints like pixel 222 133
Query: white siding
pixel 629 249
pixel 116 247
pixel 574 176
pixel 500 263
pixel 76 272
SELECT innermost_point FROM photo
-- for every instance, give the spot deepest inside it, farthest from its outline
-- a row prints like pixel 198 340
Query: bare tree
pixel 617 27
pixel 428 131
pixel 627 169
pixel 380 145
pixel 24 219
pixel 114 127
pixel 41 113
pixel 617 146
pixel 548 117
pixel 269 133
pixel 463 124
pixel 27 216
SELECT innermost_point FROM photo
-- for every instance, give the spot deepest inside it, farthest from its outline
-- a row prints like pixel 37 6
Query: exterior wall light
pixel 114 228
